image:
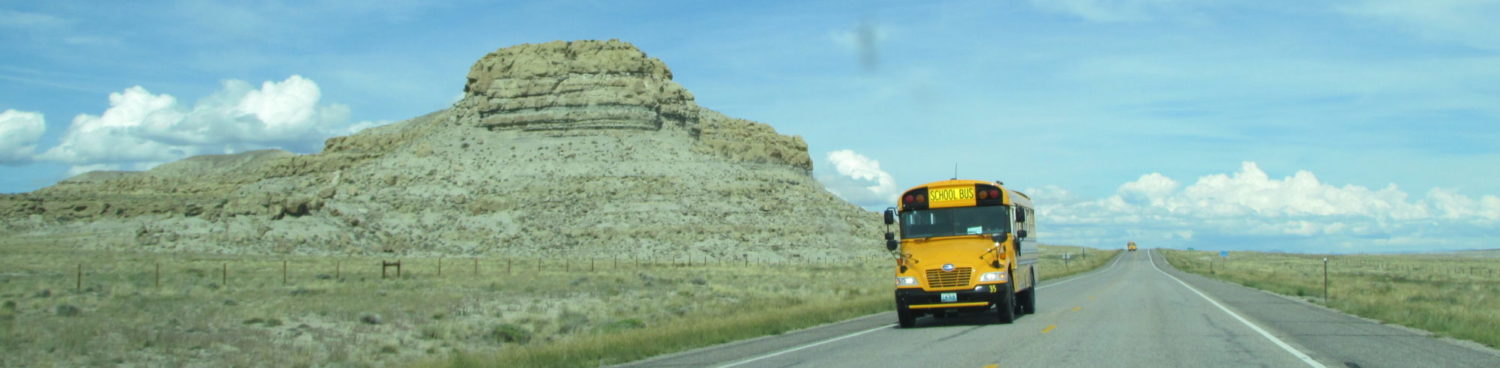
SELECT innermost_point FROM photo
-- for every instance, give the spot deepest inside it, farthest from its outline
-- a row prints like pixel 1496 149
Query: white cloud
pixel 1251 209
pixel 361 126
pixel 1149 189
pixel 1448 204
pixel 79 169
pixel 859 180
pixel 19 131
pixel 141 129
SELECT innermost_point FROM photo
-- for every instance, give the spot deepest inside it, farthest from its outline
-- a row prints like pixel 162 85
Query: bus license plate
pixel 950 297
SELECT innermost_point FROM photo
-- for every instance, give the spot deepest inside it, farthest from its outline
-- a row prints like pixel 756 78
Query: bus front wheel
pixel 1028 297
pixel 1005 307
pixel 905 316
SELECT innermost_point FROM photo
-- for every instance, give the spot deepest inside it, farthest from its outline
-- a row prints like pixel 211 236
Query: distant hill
pixel 1482 253
pixel 556 148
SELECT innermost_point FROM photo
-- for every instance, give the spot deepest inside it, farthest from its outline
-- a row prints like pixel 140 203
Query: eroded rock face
pixel 582 85
pixel 560 148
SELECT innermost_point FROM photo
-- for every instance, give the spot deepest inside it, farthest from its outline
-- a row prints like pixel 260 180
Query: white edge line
pixel 1305 359
pixel 805 346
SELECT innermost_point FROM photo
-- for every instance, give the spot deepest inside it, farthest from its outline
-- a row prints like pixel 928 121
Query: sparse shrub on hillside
pixel 510 333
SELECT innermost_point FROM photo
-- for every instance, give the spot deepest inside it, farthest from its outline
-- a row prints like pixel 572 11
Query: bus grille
pixel 939 279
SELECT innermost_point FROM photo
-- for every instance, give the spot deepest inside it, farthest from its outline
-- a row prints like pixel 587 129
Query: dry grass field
pixel 1454 294
pixel 242 310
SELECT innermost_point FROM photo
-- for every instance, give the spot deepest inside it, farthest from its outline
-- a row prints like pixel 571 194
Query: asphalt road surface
pixel 1135 312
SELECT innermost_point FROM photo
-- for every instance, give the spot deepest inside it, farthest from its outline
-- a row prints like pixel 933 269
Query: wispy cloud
pixel 30 20
pixel 1467 22
pixel 1112 10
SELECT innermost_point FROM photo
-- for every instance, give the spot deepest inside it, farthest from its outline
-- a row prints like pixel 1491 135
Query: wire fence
pixel 230 272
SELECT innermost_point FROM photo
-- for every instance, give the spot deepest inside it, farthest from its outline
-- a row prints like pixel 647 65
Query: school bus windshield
pixel 955 221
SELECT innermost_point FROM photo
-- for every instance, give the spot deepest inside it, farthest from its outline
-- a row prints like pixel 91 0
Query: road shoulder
pixel 1335 338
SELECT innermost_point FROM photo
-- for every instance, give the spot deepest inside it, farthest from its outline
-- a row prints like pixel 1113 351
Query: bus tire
pixel 1028 297
pixel 1005 306
pixel 905 316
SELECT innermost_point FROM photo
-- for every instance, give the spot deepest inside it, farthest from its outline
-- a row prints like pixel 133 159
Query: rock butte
pixel 556 149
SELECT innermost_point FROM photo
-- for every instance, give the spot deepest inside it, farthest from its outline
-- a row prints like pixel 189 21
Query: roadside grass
pixel 339 309
pixel 715 328
pixel 1448 294
pixel 1079 260
pixel 239 310
pixel 686 333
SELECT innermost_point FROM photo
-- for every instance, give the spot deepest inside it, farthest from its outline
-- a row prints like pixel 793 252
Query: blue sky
pixel 1340 126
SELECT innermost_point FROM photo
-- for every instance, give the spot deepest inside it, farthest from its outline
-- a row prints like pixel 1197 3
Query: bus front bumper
pixel 981 296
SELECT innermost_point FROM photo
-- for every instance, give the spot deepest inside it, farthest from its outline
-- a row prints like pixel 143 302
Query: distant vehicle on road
pixel 963 246
pixel 1130 246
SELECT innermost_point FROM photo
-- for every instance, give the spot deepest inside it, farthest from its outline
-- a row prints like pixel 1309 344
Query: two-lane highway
pixel 1137 311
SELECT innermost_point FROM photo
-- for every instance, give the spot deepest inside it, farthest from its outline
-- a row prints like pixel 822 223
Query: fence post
pixel 158 275
pixel 476 266
pixel 80 277
pixel 283 272
pixel 224 275
pixel 336 270
pixel 1325 280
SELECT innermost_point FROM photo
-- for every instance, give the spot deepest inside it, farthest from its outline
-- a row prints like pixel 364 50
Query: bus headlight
pixel 906 281
pixel 992 276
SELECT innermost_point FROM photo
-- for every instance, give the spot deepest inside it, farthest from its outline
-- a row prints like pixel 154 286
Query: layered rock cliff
pixel 557 148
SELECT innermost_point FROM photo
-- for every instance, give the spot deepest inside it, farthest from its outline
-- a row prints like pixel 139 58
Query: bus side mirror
pixel 890 244
pixel 1021 233
pixel 890 236
pixel 890 216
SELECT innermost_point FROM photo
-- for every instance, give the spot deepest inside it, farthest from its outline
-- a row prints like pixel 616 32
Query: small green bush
pixel 510 333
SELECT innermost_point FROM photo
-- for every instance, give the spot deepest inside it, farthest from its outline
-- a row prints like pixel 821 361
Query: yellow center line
pixel 992 366
pixel 1049 328
pixel 1078 308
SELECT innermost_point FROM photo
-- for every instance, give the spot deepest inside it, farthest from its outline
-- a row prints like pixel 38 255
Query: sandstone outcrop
pixel 560 148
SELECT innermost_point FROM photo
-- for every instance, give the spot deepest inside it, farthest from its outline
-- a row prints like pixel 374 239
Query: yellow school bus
pixel 963 246
pixel 1130 246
